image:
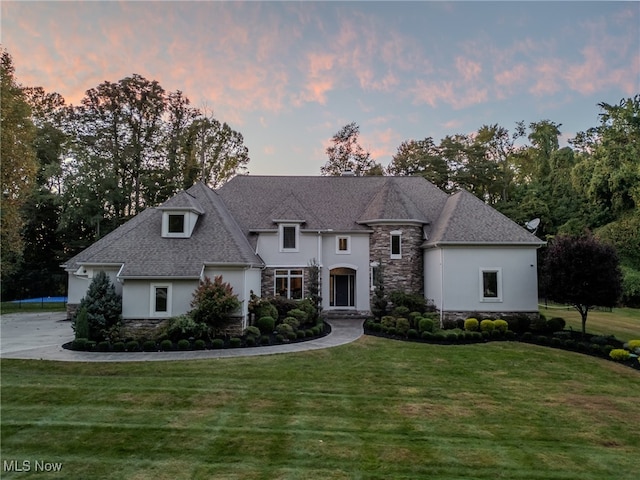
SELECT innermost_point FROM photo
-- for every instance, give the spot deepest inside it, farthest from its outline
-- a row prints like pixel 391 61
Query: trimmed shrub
pixel 633 346
pixel 279 338
pixel 391 330
pixel 283 306
pixel 264 308
pixel 301 334
pixel 619 354
pixel 412 333
pixel 250 341
pixel 266 325
pixel 252 331
pixel 426 324
pixel 309 332
pixel 451 336
pixel 292 321
pixel 439 336
pixel 388 321
pixel 292 336
pixel 556 342
pixel 80 344
pixel 235 342
pixel 166 345
pixel 284 329
pixel 149 346
pixel 183 344
pixel 414 302
pixel 401 311
pixel 133 346
pixel 217 343
pixel 527 337
pixel 414 318
pixel 103 306
pixel 471 324
pixel 265 340
pixel 402 326
pixel 501 325
pixel 119 347
pixel 556 324
pixel 184 326
pixel 518 323
pixel 487 326
pixel 103 346
pixel 199 344
pixel 426 335
pixel 306 305
pixel 298 314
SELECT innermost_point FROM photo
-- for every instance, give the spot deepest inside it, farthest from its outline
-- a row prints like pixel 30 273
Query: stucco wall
pixel 460 279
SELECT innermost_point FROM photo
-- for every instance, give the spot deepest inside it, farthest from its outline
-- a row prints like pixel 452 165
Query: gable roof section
pixel 465 219
pixel 183 201
pixel 337 203
pixel 139 246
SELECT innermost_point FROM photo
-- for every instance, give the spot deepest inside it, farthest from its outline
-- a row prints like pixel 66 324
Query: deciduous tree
pixel 582 272
pixel 346 154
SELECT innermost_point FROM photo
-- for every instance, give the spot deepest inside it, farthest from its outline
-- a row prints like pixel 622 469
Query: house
pixel 262 233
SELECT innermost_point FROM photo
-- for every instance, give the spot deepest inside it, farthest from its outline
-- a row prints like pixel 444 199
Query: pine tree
pixel 103 306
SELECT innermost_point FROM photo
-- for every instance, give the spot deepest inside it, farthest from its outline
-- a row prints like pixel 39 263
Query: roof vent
pixel 348 173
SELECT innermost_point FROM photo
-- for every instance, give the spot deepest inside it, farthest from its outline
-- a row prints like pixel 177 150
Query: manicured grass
pixel 623 323
pixel 10 307
pixel 374 409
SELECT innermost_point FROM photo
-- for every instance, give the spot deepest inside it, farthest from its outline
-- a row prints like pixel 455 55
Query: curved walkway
pixel 40 336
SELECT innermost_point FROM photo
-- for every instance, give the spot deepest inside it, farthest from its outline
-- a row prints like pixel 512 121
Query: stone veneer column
pixel 406 273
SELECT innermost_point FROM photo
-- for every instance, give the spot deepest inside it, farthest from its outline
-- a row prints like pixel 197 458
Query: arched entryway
pixel 342 287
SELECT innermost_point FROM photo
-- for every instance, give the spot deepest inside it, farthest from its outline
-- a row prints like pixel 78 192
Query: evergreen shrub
pixel 284 329
pixel 265 340
pixel 298 314
pixel 301 334
pixel 250 341
pixel 501 325
pixel 555 324
pixel 133 346
pixel 619 354
pixel 166 345
pixel 217 343
pixel 292 321
pixel 388 321
pixel 183 344
pixel 309 332
pixel 199 344
pixel 471 324
pixel 149 346
pixel 426 324
pixel 80 344
pixel 266 325
pixel 487 326
pixel 292 336
pixel 119 347
pixel 252 331
pixel 412 333
pixel 81 324
pixel 103 346
pixel 235 342
pixel 402 326
pixel 279 338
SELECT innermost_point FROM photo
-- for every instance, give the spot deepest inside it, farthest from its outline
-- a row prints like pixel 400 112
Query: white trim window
pixel 176 223
pixel 343 244
pixel 395 244
pixel 491 285
pixel 289 234
pixel 289 283
pixel 160 301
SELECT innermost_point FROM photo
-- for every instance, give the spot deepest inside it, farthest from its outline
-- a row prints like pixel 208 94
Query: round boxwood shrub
pixel 556 324
pixel 183 344
pixel 265 340
pixel 471 324
pixel 634 346
pixel 387 321
pixel 487 325
pixel 166 345
pixel 292 321
pixel 199 344
pixel 570 344
pixel 235 342
pixel 103 346
pixel 298 314
pixel 279 338
pixel 250 341
pixel 253 331
pixel 133 346
pixel 501 325
pixel 527 337
pixel 292 336
pixel 427 336
pixel 119 347
pixel 426 324
pixel 451 336
pixel 412 333
pixel 557 342
pixel 402 326
pixel 80 344
pixel 619 354
pixel 266 325
pixel 284 329
pixel 391 330
pixel 309 333
pixel 401 311
pixel 149 346
pixel 217 343
pixel 301 334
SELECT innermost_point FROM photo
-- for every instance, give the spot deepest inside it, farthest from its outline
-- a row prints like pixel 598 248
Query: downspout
pixel 441 287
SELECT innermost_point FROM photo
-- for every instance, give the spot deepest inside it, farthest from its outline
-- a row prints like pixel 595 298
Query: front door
pixel 342 286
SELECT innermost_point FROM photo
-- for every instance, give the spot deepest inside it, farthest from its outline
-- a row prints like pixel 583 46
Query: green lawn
pixel 374 409
pixel 10 307
pixel 623 323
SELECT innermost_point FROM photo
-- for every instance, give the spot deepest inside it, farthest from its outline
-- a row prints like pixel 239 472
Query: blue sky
pixel 289 75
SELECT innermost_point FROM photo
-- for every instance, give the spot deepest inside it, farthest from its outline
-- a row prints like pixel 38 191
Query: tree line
pixel 73 173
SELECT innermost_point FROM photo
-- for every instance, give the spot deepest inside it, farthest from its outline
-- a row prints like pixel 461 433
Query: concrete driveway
pixel 40 336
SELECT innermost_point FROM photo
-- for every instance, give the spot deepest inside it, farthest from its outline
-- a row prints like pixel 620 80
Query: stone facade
pixel 268 281
pixel 404 273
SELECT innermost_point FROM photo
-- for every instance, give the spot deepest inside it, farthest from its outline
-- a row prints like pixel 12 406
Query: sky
pixel 289 75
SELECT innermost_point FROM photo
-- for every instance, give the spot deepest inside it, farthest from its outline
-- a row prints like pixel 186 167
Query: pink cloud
pixel 468 69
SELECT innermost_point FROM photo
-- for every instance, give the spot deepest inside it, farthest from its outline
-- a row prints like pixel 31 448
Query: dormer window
pixel 176 223
pixel 289 237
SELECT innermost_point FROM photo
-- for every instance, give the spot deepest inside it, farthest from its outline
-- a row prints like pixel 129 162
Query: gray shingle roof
pixel 467 219
pixel 251 203
pixel 139 245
